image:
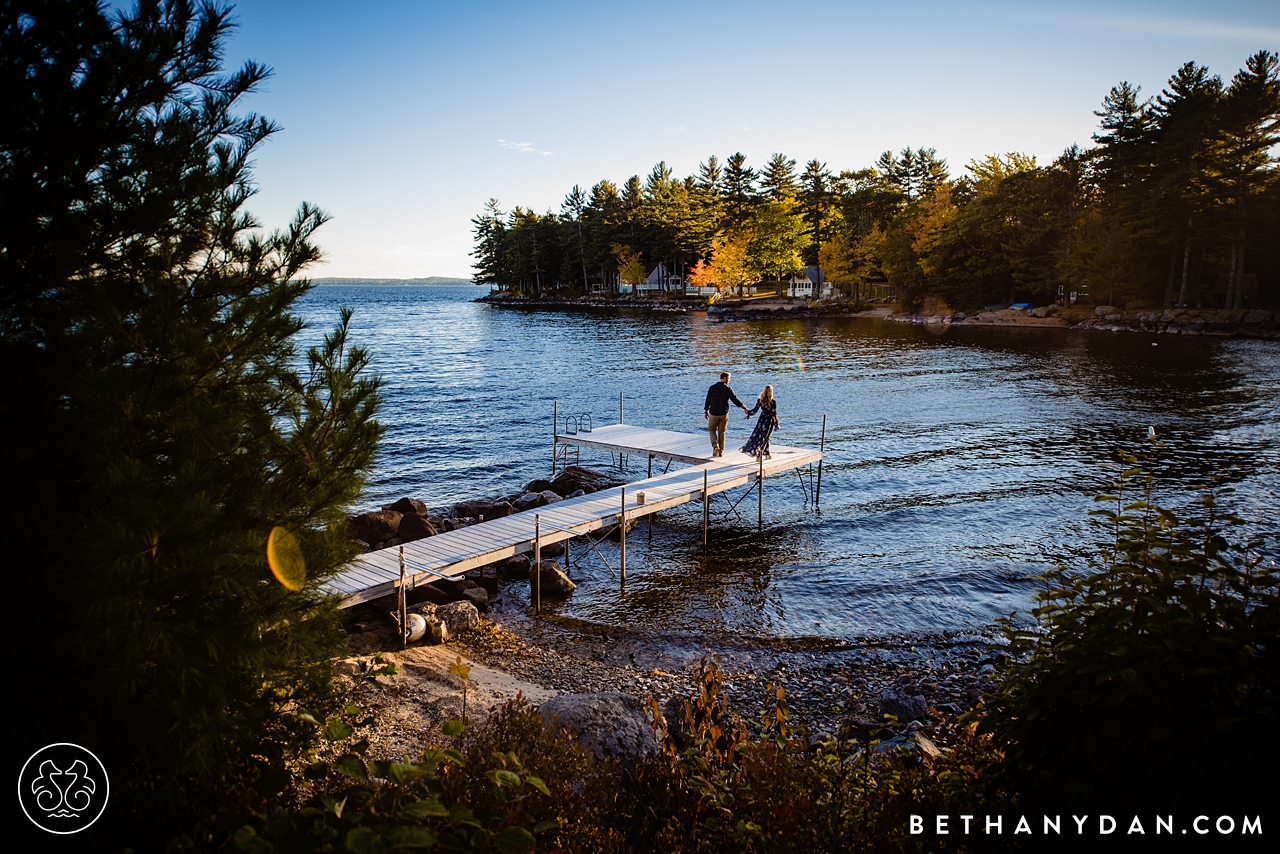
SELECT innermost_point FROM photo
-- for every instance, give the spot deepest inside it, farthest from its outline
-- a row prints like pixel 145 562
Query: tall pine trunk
pixel 1186 266
pixel 1231 277
pixel 1240 272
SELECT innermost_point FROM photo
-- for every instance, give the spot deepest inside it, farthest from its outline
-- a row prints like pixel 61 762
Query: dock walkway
pixel 377 574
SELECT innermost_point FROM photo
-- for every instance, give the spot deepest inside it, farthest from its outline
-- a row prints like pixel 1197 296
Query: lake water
pixel 958 466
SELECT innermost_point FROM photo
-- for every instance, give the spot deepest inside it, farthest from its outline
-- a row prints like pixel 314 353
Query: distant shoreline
pixel 429 280
pixel 1234 323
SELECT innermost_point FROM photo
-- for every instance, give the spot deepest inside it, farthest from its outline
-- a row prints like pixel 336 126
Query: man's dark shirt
pixel 718 397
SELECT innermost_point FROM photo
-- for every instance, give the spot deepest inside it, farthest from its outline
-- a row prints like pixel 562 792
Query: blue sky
pixel 402 118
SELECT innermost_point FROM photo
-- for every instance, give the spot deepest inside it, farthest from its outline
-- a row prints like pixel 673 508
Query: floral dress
pixel 768 422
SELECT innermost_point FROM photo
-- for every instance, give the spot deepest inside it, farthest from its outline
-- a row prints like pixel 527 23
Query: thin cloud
pixel 521 147
pixel 674 130
pixel 1159 25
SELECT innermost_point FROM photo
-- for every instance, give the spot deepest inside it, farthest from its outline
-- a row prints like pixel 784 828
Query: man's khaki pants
pixel 716 425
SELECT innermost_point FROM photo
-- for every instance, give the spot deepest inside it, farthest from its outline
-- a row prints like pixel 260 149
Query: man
pixel 716 411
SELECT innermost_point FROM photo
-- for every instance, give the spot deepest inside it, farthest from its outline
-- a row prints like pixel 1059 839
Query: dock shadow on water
pixel 958 466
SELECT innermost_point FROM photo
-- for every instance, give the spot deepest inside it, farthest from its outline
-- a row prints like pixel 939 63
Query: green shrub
pixel 1150 680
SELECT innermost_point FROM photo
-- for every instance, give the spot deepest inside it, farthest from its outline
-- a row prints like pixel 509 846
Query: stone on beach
pixel 415 527
pixel 458 617
pixel 611 724
pixel 489 509
pixel 554 582
pixel 514 568
pixel 477 596
pixel 408 505
pixel 375 526
pixel 902 706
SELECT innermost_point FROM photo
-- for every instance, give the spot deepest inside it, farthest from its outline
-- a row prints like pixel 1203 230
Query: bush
pixel 1150 680
pixel 511 783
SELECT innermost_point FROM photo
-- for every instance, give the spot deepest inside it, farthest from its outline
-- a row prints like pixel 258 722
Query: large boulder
pixel 477 596
pixel 415 527
pixel 437 630
pixel 407 505
pixel 528 501
pixel 514 568
pixel 489 509
pixel 376 526
pixel 573 478
pixel 554 582
pixel 896 702
pixel 538 485
pixel 609 723
pixel 459 617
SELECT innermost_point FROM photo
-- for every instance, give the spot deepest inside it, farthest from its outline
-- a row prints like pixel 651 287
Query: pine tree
pixel 574 205
pixel 157 415
pixel 739 190
pixel 1250 130
pixel 1185 125
pixel 490 235
pixel 778 179
pixel 815 196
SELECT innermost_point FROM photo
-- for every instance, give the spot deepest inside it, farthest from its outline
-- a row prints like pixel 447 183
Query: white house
pixel 806 285
pixel 800 285
pixel 660 281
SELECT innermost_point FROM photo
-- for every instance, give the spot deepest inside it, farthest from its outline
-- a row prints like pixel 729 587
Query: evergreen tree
pixel 707 211
pixel 914 174
pixel 1186 117
pixel 1250 130
pixel 155 414
pixel 739 190
pixel 778 179
pixel 490 236
pixel 815 196
pixel 1123 149
pixel 574 205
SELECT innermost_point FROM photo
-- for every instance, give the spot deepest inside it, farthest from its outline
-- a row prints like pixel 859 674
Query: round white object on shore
pixel 417 627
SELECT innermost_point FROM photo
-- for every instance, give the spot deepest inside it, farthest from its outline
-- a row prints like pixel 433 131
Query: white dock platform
pixel 377 574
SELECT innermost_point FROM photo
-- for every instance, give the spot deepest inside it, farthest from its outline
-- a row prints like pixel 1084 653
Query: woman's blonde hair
pixel 766 396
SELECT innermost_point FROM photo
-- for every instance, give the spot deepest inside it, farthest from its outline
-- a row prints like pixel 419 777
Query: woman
pixel 768 408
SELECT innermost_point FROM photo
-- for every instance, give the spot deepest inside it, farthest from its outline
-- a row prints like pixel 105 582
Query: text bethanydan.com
pixel 1084 825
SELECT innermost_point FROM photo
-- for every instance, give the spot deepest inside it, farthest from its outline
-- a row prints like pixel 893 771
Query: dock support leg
pixel 404 606
pixel 555 416
pixel 822 449
pixel 706 508
pixel 537 564
pixel 760 492
pixel 622 537
pixel 651 465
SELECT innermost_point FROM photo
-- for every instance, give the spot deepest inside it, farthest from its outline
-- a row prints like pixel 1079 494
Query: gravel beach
pixel 511 652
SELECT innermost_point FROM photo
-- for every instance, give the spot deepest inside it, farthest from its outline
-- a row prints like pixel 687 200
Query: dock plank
pixel 451 553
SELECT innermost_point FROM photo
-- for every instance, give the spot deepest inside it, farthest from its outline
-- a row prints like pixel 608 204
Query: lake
pixel 958 465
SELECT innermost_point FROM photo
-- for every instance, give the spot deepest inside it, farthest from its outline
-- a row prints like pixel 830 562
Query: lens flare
pixel 284 556
pixel 800 364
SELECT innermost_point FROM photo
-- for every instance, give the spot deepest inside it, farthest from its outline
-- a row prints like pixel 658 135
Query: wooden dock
pixel 377 574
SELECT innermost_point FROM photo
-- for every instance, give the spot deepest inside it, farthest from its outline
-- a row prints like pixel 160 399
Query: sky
pixel 401 119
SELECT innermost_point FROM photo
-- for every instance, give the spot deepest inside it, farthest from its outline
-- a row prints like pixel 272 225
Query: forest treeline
pixel 1177 201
